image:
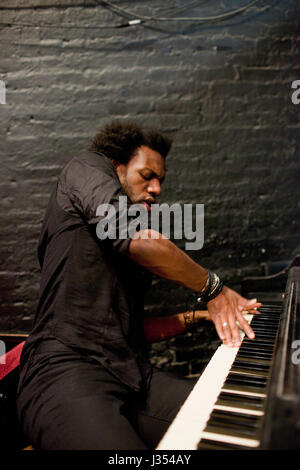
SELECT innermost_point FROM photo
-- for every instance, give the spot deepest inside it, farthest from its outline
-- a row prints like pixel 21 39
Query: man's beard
pixel 127 188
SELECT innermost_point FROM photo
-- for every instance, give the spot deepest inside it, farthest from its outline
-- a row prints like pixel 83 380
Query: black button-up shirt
pixel 91 293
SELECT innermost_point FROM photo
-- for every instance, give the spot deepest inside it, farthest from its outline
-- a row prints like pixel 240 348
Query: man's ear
pixel 115 163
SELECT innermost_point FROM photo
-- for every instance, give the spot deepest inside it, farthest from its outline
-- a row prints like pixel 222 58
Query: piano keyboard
pixel 225 409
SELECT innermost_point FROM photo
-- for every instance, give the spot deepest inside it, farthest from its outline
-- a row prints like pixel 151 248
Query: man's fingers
pixel 253 308
pixel 245 326
pixel 247 305
pixel 228 331
pixel 223 329
pixel 252 311
pixel 235 332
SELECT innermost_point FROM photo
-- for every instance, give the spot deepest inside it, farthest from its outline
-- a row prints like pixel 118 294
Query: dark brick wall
pixel 221 90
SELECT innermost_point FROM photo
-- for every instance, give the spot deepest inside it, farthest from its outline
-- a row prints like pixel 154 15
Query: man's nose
pixel 154 187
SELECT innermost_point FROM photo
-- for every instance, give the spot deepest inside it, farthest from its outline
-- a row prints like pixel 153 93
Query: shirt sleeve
pixel 95 194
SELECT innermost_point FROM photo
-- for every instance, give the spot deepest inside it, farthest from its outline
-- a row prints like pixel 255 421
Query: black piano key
pixel 267 316
pixel 206 444
pixel 252 365
pixel 245 382
pixel 254 357
pixel 259 342
pixel 272 328
pixel 266 333
pixel 265 320
pixel 272 309
pixel 252 350
pixel 264 330
pixel 259 358
pixel 241 401
pixel 247 346
pixel 264 324
pixel 261 329
pixel 268 329
pixel 234 424
pixel 266 340
pixel 261 333
pixel 235 418
pixel 254 354
pixel 272 312
pixel 257 355
pixel 257 346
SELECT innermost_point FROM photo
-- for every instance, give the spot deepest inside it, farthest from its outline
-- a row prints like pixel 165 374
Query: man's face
pixel 142 176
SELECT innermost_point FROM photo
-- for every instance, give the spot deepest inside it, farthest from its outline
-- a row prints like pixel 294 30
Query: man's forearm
pixel 165 259
pixel 160 328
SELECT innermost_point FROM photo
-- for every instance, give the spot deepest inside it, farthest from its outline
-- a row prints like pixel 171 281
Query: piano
pixel 249 397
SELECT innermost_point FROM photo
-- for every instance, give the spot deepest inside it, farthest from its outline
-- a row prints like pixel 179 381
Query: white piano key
pixel 255 373
pixel 241 441
pixel 234 409
pixel 241 392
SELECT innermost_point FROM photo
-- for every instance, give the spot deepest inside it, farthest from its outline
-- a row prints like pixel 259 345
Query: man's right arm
pixel 159 255
pixel 163 258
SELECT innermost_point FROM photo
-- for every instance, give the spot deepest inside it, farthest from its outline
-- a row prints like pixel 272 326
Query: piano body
pixel 249 397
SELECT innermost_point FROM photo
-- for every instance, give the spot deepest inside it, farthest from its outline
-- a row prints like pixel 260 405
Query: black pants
pixel 67 401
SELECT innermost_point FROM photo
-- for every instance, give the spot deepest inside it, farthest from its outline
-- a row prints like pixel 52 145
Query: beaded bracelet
pixel 189 319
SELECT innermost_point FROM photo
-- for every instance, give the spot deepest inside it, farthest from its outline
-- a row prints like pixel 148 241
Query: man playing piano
pixel 85 380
